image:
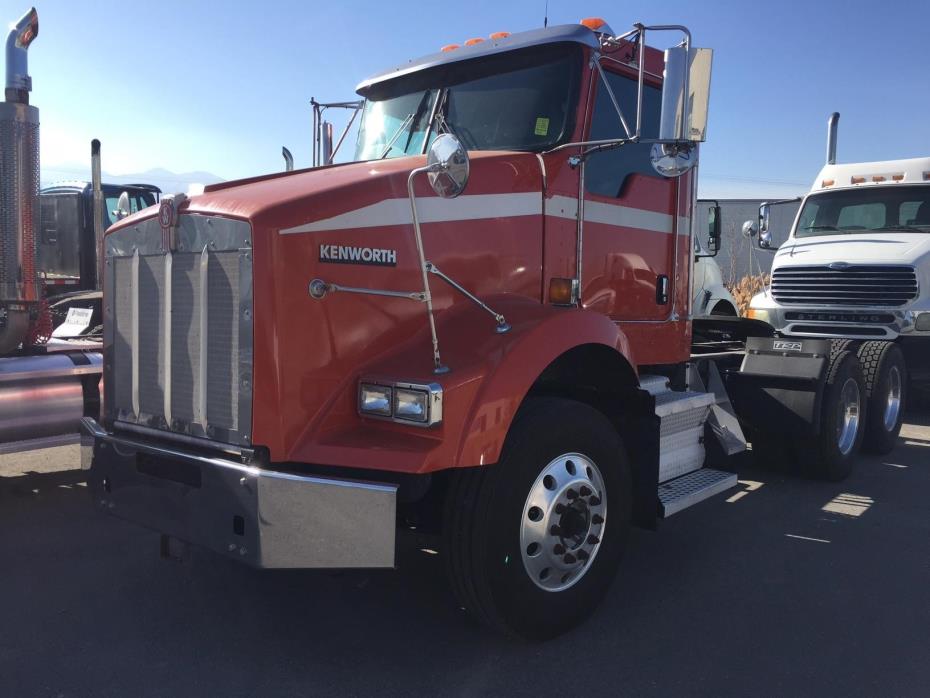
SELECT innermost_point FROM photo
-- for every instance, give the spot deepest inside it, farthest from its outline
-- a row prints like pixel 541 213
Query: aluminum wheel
pixel 847 427
pixel 563 521
pixel 893 401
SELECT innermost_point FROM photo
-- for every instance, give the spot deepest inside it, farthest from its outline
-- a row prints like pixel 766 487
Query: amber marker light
pixel 500 35
pixel 878 178
pixel 898 177
pixel 449 47
pixel 827 183
pixel 476 40
pixel 593 23
pixel 561 291
pixel 857 180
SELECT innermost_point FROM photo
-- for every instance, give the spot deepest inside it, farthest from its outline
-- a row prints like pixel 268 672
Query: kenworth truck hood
pixel 350 225
pixel 860 248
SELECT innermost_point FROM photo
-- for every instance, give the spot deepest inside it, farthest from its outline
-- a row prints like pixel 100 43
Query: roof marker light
pixel 878 178
pixel 500 35
pixel 593 23
pixel 857 180
pixel 827 183
pixel 476 40
pixel 449 47
pixel 897 177
pixel 927 176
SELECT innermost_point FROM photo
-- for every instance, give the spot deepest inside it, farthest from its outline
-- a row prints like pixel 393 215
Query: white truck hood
pixel 882 247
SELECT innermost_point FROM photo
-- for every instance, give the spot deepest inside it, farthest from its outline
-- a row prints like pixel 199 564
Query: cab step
pixel 687 490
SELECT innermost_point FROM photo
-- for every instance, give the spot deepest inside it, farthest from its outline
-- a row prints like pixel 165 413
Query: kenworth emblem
pixel 838 266
pixel 343 254
pixel 786 346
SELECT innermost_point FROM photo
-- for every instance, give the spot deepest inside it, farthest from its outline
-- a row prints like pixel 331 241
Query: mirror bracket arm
pixel 502 324
pixel 438 368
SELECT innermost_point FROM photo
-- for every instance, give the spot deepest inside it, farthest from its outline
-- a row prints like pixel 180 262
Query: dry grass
pixel 744 289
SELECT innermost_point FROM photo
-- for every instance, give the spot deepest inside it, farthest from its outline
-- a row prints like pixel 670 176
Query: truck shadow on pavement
pixel 95 611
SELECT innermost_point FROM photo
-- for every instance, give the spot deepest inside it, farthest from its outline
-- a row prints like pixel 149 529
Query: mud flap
pixel 779 387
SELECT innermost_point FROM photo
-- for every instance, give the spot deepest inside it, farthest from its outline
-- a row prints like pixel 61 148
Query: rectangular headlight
pixel 411 405
pixel 375 399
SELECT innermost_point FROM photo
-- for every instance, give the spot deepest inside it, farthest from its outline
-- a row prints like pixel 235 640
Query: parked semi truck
pixel 480 329
pixel 856 268
pixel 50 297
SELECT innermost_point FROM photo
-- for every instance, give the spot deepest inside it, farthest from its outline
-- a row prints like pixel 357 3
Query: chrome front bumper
pixel 265 518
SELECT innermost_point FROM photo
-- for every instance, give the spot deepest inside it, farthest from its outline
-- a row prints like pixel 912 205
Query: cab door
pixel 631 220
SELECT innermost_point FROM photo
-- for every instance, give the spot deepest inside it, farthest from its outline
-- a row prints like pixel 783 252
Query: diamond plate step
pixel 687 490
pixel 654 385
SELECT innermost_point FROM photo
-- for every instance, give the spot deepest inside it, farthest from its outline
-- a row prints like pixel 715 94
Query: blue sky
pixel 220 87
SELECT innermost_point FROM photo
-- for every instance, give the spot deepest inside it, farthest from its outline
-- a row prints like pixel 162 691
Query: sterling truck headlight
pixel 923 322
pixel 409 403
pixel 375 399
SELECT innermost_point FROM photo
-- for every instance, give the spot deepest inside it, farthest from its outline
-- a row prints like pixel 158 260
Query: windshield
pixel 892 208
pixel 522 100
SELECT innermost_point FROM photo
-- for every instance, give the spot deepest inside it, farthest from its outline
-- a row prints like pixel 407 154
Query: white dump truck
pixel 856 268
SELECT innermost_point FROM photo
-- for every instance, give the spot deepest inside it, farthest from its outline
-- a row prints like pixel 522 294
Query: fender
pixel 526 357
pixel 490 376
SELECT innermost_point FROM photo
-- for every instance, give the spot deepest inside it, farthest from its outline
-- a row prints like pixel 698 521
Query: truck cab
pixel 857 262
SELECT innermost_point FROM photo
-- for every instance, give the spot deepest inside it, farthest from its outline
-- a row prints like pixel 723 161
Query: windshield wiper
pixel 417 115
pixel 821 227
pixel 906 228
pixel 400 130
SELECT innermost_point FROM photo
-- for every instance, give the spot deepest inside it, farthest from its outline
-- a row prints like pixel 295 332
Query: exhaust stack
pixel 22 33
pixel 97 189
pixel 19 188
pixel 832 123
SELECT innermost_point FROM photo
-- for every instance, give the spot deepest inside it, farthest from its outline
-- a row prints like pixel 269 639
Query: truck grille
pixel 874 286
pixel 178 329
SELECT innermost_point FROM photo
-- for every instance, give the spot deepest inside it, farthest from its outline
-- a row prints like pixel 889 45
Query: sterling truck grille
pixel 873 286
pixel 178 329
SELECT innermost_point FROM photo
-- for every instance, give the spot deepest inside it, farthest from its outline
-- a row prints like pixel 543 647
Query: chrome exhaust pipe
pixel 22 33
pixel 288 159
pixel 19 189
pixel 326 142
pixel 97 188
pixel 832 124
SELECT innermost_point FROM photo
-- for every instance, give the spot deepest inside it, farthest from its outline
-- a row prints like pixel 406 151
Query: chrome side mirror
pixel 447 166
pixel 749 229
pixel 765 235
pixel 122 207
pixel 713 229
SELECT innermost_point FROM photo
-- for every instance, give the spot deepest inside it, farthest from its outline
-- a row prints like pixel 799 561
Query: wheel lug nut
pixel 569 559
pixel 597 519
pixel 583 555
pixel 555 530
pixel 571 494
pixel 593 540
pixel 559 508
pixel 594 501
pixel 558 549
pixel 585 491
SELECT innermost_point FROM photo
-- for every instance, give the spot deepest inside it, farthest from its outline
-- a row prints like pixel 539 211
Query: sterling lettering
pixel 343 254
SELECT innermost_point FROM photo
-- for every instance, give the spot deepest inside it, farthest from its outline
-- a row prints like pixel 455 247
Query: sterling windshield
pixel 893 208
pixel 521 100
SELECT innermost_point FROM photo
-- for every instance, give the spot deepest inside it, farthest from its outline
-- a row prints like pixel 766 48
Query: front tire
pixel 533 542
pixel 885 375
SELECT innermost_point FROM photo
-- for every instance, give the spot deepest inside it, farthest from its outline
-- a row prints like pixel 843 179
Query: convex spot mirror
pixel 447 166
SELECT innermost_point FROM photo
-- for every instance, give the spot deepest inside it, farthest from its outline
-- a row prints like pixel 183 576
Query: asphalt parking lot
pixel 781 587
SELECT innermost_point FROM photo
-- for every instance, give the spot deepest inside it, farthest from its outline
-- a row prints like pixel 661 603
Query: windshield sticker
pixel 542 126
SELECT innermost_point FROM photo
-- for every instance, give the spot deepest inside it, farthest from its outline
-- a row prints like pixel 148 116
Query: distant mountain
pixel 166 180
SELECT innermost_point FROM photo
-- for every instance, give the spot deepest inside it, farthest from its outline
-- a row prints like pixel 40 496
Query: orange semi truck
pixel 479 328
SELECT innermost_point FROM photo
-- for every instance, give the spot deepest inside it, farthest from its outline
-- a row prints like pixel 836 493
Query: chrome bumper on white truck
pixel 266 518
